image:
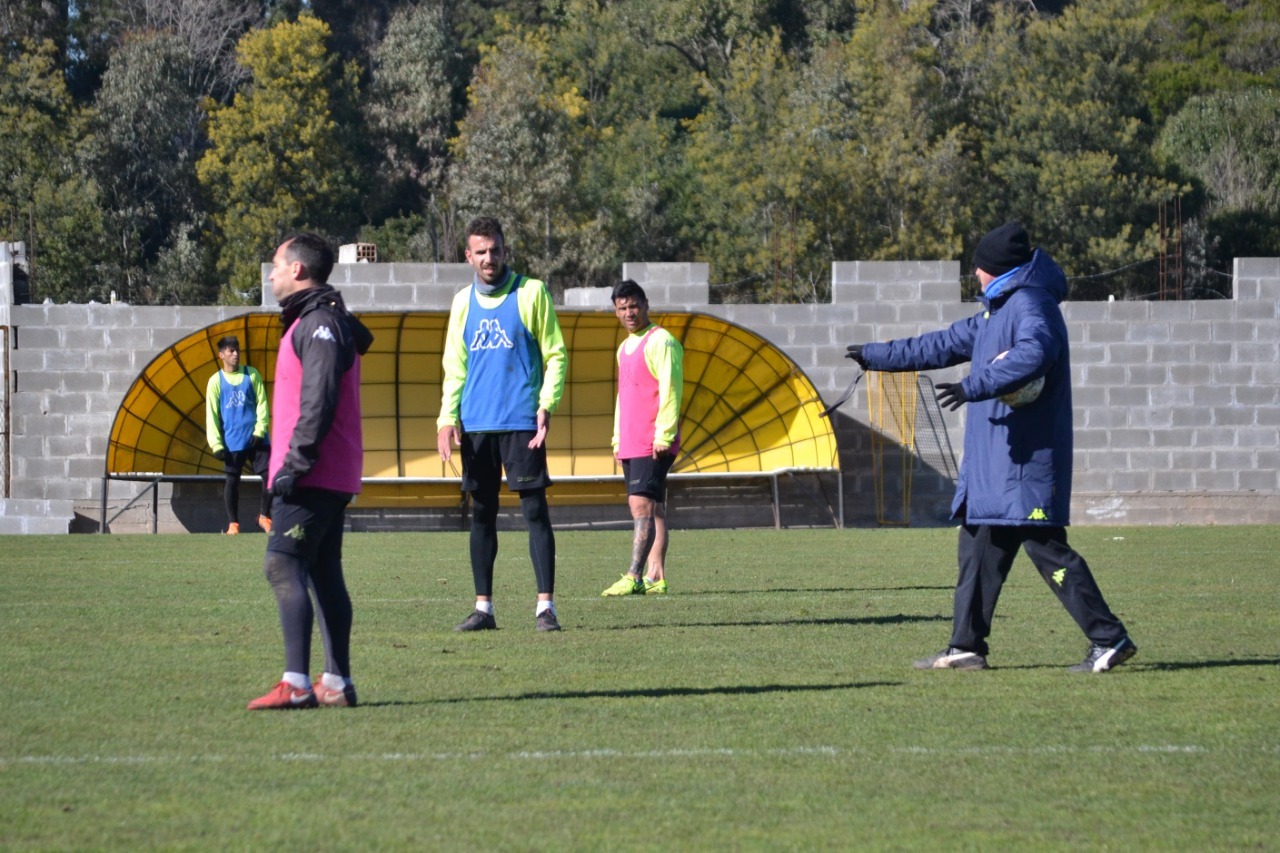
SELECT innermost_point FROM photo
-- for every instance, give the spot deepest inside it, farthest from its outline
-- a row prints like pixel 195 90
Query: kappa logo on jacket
pixel 323 334
pixel 490 335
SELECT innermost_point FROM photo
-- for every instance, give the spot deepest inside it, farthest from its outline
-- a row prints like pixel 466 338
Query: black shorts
pixel 304 521
pixel 647 477
pixel 486 454
pixel 259 461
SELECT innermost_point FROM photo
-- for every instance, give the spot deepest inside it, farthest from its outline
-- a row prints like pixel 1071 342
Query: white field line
pixel 613 754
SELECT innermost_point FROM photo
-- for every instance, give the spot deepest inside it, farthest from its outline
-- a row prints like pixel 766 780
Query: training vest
pixel 504 367
pixel 341 453
pixel 637 402
pixel 238 410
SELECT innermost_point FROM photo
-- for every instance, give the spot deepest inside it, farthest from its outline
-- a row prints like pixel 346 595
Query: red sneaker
pixel 264 523
pixel 233 529
pixel 325 695
pixel 284 696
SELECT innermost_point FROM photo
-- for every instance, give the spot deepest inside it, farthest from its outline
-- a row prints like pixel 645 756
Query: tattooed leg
pixel 645 532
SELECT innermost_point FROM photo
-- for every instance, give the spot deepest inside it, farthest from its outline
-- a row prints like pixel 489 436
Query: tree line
pixel 160 149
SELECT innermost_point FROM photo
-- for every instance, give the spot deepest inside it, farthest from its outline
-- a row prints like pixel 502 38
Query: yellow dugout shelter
pixel 748 409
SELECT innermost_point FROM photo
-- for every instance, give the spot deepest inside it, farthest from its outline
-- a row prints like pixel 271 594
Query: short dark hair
pixel 229 342
pixel 314 253
pixel 629 289
pixel 486 226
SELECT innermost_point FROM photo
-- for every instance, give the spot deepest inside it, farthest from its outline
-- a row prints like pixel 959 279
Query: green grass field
pixel 768 703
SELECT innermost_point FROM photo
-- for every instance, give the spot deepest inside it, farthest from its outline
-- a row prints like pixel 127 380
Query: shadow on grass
pixel 1174 666
pixel 1165 666
pixel 825 590
pixel 897 619
pixel 661 692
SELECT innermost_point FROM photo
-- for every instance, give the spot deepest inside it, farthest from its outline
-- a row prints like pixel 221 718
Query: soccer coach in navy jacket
pixel 1015 478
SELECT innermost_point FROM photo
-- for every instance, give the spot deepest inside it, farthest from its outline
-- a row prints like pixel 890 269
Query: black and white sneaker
pixel 953 658
pixel 547 621
pixel 1103 658
pixel 477 621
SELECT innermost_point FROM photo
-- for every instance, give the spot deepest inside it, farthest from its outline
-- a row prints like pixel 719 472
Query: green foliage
pixel 143 154
pixel 69 242
pixel 749 159
pixel 48 202
pixel 905 166
pixel 1203 46
pixel 705 35
pixel 1230 141
pixel 410 113
pixel 1066 144
pixel 33 22
pixel 278 160
pixel 510 160
pixel 767 138
pixel 356 25
pixel 183 271
pixel 410 101
pixel 402 239
pixel 767 703
pixel 846 158
pixel 622 108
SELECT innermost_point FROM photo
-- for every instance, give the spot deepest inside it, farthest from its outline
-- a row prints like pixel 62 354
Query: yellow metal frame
pixel 892 401
pixel 748 408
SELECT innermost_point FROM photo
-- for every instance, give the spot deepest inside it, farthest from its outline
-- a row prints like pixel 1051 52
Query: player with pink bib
pixel 646 435
pixel 316 463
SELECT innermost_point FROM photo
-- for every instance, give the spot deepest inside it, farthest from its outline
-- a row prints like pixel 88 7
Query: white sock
pixel 544 606
pixel 300 680
pixel 485 607
pixel 334 682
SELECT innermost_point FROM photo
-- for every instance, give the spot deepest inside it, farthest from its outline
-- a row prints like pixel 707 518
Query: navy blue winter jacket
pixel 1017 463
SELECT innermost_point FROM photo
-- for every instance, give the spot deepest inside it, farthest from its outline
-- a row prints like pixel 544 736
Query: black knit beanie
pixel 1003 249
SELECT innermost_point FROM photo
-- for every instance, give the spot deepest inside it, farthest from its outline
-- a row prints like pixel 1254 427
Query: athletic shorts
pixel 304 520
pixel 647 477
pixel 259 461
pixel 486 454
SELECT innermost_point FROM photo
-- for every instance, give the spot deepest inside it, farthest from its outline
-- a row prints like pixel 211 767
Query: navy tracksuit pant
pixel 986 555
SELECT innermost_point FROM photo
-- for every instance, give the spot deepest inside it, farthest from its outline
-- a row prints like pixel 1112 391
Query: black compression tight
pixel 542 540
pixel 290 581
pixel 484 538
pixel 231 497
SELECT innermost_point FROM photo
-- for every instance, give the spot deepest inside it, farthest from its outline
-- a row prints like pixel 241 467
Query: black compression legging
pixel 484 538
pixel 231 491
pixel 320 572
pixel 231 496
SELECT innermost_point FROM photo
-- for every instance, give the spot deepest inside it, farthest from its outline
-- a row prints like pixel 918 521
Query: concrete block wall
pixel 1177 411
pixel 1177 404
pixel 36 516
pixel 871 300
pixel 390 287
pixel 69 367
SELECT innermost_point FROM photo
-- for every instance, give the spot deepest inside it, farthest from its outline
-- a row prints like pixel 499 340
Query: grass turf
pixel 768 702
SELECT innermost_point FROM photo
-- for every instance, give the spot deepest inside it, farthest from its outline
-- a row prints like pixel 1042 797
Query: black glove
pixel 220 454
pixel 951 395
pixel 284 484
pixel 255 441
pixel 855 353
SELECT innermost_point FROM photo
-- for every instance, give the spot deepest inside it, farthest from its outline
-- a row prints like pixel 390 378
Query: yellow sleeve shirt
pixel 664 356
pixel 537 312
